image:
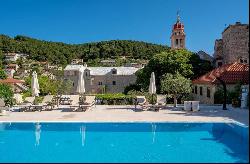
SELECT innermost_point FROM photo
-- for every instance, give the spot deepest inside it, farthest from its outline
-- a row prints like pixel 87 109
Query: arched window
pixel 176 41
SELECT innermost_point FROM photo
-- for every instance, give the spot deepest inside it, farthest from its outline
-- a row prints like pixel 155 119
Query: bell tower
pixel 178 35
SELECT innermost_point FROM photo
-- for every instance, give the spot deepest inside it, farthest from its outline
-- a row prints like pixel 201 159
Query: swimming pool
pixel 123 142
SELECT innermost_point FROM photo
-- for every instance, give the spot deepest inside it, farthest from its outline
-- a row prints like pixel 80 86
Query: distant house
pixel 77 61
pixel 15 84
pixel 12 66
pixel 205 86
pixel 11 56
pixel 97 79
pixel 109 62
pixel 48 67
pixel 9 72
pixel 14 56
pixel 136 65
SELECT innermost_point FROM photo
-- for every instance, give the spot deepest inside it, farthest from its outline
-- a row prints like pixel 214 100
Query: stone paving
pixel 119 113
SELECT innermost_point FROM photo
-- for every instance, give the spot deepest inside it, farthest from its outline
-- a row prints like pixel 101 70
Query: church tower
pixel 178 35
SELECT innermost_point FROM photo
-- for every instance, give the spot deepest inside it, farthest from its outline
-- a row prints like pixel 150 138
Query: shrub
pixel 7 94
pixel 26 94
pixel 38 100
pixel 114 99
pixel 186 97
pixel 219 96
pixel 131 87
pixel 233 97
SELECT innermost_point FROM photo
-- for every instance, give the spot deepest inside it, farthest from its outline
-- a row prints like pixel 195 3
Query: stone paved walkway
pixel 109 113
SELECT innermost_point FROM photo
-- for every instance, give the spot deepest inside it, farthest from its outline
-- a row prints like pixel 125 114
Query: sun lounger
pixel 142 102
pixel 29 100
pixel 161 103
pixel 75 102
pixel 88 104
pixel 30 107
pixel 68 99
pixel 48 103
pixel 90 101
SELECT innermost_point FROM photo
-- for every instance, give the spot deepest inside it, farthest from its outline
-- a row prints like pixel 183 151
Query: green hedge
pixel 114 99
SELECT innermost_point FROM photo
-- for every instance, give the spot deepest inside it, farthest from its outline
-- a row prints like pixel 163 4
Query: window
pixel 180 41
pixel 99 83
pixel 192 90
pixel 241 61
pixel 92 81
pixel 114 82
pixel 208 92
pixel 114 71
pixel 73 84
pixel 86 73
pixel 195 89
pixel 219 64
pixel 176 41
pixel 200 90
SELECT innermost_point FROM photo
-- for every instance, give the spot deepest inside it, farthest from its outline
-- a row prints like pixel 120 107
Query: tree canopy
pixel 165 62
pixel 2 74
pixel 1 59
pixel 6 93
pixel 62 53
pixel 175 85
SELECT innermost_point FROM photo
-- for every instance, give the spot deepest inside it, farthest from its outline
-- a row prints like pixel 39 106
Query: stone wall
pixel 95 83
pixel 218 51
pixel 204 98
pixel 234 45
pixel 112 83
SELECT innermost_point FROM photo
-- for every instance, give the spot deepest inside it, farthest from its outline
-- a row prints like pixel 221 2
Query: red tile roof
pixel 10 54
pixel 11 80
pixel 230 73
pixel 10 65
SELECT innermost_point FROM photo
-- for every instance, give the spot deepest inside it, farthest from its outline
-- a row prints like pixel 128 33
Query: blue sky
pixel 81 21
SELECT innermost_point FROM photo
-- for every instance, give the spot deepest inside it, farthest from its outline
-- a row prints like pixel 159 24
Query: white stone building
pixel 101 79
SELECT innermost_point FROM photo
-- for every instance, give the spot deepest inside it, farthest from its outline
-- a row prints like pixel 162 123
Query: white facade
pixel 11 57
pixel 101 79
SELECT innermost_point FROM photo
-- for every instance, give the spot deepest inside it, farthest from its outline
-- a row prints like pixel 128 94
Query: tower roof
pixel 178 24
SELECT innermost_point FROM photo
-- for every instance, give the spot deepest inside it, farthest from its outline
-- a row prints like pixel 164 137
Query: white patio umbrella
pixel 35 84
pixel 80 86
pixel 152 87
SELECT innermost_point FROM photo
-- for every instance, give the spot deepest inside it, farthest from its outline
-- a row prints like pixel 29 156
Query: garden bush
pixel 114 99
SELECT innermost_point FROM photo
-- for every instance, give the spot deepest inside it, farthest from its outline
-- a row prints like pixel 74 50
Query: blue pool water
pixel 123 142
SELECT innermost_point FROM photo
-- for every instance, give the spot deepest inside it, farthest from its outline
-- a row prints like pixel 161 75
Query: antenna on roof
pixel 178 15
